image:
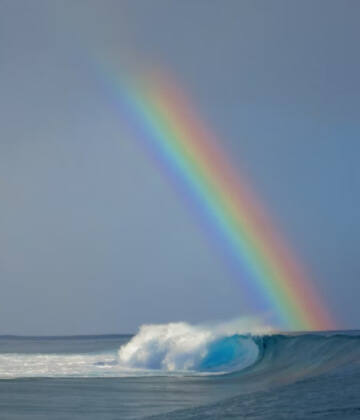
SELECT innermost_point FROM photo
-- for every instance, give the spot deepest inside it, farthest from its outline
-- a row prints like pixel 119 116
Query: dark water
pixel 247 377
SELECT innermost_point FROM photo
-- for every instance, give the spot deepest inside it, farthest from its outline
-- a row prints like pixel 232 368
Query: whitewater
pixel 179 370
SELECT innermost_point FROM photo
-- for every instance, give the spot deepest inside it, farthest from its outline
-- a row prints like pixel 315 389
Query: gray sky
pixel 93 239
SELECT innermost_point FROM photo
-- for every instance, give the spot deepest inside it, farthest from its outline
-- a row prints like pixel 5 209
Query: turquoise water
pixel 178 374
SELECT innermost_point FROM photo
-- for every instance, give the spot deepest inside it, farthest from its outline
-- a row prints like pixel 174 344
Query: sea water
pixel 178 371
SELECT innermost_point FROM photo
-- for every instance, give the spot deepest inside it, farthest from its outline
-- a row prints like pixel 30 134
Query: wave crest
pixel 182 347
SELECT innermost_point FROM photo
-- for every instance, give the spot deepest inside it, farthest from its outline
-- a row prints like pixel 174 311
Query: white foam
pixel 169 349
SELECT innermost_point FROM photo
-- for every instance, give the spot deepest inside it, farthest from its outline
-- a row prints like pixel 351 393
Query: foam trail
pixel 17 365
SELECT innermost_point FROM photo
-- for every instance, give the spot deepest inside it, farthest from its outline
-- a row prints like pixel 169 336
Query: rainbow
pixel 163 118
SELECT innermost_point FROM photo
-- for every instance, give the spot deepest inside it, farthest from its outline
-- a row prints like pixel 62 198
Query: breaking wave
pixel 182 347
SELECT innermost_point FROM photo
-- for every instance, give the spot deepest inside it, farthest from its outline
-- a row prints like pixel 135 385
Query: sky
pixel 93 237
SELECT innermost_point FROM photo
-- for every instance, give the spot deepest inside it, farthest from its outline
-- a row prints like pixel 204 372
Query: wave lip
pixel 179 347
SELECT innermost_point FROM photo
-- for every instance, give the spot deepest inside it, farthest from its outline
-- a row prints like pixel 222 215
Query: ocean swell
pixel 180 348
pixel 214 352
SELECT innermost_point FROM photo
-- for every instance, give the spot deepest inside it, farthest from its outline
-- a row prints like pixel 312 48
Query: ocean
pixel 181 372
